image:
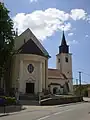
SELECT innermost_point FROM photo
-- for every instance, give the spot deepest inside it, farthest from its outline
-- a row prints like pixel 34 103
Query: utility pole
pixel 80 83
pixel 76 81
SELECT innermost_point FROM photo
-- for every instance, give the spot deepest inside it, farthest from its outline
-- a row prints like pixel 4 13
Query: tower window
pixel 59 60
pixel 66 59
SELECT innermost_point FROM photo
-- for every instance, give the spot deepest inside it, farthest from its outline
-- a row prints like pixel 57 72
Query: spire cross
pixel 63 27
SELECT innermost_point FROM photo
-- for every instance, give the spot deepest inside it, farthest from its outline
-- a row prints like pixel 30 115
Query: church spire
pixel 63 39
pixel 63 48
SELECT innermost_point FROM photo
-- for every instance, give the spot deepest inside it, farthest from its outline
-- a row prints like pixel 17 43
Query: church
pixel 30 72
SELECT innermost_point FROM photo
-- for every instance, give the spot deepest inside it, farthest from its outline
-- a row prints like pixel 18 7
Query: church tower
pixel 64 59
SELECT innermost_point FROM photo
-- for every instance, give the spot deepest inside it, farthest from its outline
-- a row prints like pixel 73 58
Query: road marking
pixel 42 118
pixel 62 111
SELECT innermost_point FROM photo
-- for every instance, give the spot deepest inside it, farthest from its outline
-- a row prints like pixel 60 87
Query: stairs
pixel 28 97
pixel 29 102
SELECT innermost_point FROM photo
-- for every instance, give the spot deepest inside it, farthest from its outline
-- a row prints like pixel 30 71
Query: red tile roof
pixel 55 73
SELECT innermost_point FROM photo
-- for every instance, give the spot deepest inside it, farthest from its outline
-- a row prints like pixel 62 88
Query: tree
pixel 6 41
pixel 83 88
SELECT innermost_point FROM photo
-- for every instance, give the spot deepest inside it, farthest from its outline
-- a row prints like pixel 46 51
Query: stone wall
pixel 61 100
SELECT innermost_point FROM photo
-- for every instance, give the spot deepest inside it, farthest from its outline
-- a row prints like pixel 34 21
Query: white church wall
pixel 43 75
pixel 65 67
pixel 23 76
pixel 58 81
pixel 71 85
pixel 15 70
pixel 31 77
pixel 46 74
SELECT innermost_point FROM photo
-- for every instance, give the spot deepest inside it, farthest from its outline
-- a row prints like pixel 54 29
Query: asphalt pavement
pixel 79 111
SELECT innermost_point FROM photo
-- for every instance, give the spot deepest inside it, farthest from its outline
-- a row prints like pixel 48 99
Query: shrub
pixel 7 101
pixel 10 101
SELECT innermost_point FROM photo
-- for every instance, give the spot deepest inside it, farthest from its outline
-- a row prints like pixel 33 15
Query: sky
pixel 46 19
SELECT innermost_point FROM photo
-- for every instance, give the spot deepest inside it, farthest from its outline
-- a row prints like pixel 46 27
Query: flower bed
pixel 7 101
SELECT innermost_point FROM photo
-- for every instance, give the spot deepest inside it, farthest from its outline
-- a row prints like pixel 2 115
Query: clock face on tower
pixel 30 68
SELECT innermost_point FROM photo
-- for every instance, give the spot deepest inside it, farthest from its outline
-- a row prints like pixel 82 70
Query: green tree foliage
pixel 6 39
pixel 83 88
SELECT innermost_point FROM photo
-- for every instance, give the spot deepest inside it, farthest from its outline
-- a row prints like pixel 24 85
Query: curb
pixel 69 104
pixel 12 113
pixel 10 109
pixel 53 106
pixel 3 115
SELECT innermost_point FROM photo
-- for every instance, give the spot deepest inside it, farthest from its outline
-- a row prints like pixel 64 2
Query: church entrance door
pixel 30 88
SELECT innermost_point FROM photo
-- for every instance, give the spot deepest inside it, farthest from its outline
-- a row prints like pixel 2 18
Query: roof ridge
pixel 35 40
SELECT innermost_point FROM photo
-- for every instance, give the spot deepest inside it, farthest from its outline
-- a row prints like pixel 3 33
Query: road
pixel 80 111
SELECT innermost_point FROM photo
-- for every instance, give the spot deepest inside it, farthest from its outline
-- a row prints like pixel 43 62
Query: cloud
pixel 71 42
pixel 45 23
pixel 86 36
pixel 42 23
pixel 77 14
pixel 88 18
pixel 33 1
pixel 65 27
pixel 70 34
pixel 1 1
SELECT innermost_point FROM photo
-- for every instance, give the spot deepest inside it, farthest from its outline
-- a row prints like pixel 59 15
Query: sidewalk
pixel 39 108
pixel 26 108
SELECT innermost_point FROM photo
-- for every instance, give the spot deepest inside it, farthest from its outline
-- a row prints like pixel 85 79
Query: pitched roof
pixel 55 73
pixel 63 48
pixel 22 39
pixel 30 48
pixel 63 40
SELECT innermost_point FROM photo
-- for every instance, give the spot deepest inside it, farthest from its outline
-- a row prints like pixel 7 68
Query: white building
pixel 30 72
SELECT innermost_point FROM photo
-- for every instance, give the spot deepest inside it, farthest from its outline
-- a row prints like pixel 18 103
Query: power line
pixel 78 80
pixel 82 71
pixel 85 82
pixel 86 74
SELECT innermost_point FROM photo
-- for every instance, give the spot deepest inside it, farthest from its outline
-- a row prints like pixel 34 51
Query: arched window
pixel 55 90
pixel 66 59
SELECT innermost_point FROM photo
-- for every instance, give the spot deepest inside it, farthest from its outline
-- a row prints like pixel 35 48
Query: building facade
pixel 30 72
